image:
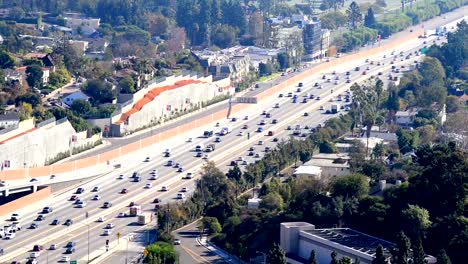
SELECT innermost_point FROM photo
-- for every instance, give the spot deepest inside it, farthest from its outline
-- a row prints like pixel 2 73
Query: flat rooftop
pixel 352 239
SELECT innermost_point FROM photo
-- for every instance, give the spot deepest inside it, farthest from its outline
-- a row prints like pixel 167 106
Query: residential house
pixel 80 24
pixel 9 120
pixel 308 171
pixel 69 99
pixel 45 73
pixel 79 45
pixel 298 239
pixel 405 118
pixel 331 165
pixel 44 57
pixel 14 76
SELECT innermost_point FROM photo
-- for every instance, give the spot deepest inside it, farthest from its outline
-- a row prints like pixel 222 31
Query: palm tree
pixel 354 15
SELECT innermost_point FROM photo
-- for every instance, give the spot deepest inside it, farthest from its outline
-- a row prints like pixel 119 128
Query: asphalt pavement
pixel 231 146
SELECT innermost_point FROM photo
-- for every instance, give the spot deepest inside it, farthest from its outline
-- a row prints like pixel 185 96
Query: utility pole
pixel 86 216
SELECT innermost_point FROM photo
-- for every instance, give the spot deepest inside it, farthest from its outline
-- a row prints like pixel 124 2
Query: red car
pixel 124 191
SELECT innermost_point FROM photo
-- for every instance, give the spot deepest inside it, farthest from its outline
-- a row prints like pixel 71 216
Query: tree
pixel 334 258
pixel 312 258
pixel 408 140
pixel 34 76
pixel 354 15
pixel 6 61
pixel 224 36
pixel 369 19
pixel 265 69
pixel 379 256
pixel 59 78
pixel 415 221
pixel 272 202
pixel 345 260
pixel 276 255
pixel 162 252
pixel 99 91
pixel 453 104
pixel 25 111
pixel 127 85
pixel 432 85
pixel 419 257
pixel 401 253
pixel 351 186
pixel 284 60
pixel 442 257
pixel 31 98
pixel 81 107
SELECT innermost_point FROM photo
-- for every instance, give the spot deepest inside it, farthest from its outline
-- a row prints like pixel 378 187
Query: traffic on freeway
pixel 80 222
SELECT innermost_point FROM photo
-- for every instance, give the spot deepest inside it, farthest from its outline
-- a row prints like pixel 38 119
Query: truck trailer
pixel 145 218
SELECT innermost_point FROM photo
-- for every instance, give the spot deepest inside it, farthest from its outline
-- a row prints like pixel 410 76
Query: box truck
pixel 135 210
pixel 145 218
pixel 335 108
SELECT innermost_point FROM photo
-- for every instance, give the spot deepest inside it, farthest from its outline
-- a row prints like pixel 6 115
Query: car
pixel 199 154
pixel 107 232
pixel 169 163
pixel 81 205
pixel 280 95
pixel 40 218
pixel 47 210
pixel 33 180
pixel 68 222
pixel 148 185
pixel 306 114
pixel 101 219
pixel 180 169
pixel 121 214
pixel 304 101
pixel 277 105
pixel 70 250
pixel 33 226
pixel 246 117
pixel 290 94
pixel 77 201
pixel 217 140
pixel 64 259
pixel 317 98
pixel 55 222
pixel 294 101
pixel 275 140
pixel 153 177
pixel 251 153
pixel 321 107
pixel 96 197
pixel 37 248
pixel 35 254
pixel 205 157
pixel 311 96
pixel 316 84
pixel 80 190
pixel 107 205
pixel 177 241
pixel 109 226
pixel 257 156
pixel 15 217
pixel 260 142
pixel 121 177
pixel 348 81
pixel 123 191
pixel 184 189
pixel 70 244
pixel 259 129
pixel 137 179
pixel 166 154
pixel 157 200
pixel 10 236
pixel 262 123
pixel 267 149
pixel 53 247
pixel 270 133
pixel 233 119
pixel 233 163
pixel 164 188
pixel 244 162
pixel 240 134
pixel 180 196
pixel 189 140
pixel 131 204
pixel 189 175
pixel 96 189
pixel 324 77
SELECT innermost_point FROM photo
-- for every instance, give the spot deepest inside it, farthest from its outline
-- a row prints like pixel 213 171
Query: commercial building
pixel 298 239
pixel 9 120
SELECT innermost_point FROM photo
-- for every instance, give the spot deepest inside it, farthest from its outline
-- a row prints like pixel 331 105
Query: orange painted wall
pixel 7 209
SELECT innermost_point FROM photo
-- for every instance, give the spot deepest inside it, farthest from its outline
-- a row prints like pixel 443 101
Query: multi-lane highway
pixel 87 233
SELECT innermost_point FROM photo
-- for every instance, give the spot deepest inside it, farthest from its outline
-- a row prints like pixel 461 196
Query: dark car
pixel 70 244
pixel 55 222
pixel 157 200
pixel 40 218
pixel 34 226
pixel 124 191
pixel 107 205
pixel 37 248
pixel 68 222
pixel 70 250
pixel 73 197
pixel 233 163
pixel 80 190
pixel 275 140
pixel 47 210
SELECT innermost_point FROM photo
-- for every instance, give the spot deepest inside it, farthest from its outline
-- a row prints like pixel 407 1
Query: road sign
pixel 73 262
pixel 119 235
pixel 145 252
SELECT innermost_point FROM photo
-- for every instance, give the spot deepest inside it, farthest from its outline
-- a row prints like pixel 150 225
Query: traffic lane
pixel 190 251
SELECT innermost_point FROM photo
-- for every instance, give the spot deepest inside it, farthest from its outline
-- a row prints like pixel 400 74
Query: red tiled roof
pixel 18 135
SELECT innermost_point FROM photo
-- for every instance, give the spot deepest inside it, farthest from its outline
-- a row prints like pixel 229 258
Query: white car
pixel 148 185
pixel 64 259
pixel 81 204
pixel 15 217
pixel 121 177
pixel 96 197
pixel 180 196
pixel 107 232
pixel 101 219
pixel 260 142
pixel 241 133
pixel 189 140
pixel 121 214
pixel 109 226
pixel 35 254
pixel 164 188
pixel 96 189
pixel 184 189
pixel 154 172
pixel 10 236
pixel 153 177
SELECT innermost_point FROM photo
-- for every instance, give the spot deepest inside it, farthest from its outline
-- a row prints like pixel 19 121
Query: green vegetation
pixel 161 252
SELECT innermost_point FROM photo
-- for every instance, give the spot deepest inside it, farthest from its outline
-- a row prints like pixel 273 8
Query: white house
pixel 308 171
pixel 69 99
pixel 405 118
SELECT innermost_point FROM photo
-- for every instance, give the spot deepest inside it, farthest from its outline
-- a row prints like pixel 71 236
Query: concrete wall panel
pixel 62 168
pixel 168 134
pixel 40 171
pixel 22 202
pixel 13 175
pixel 86 162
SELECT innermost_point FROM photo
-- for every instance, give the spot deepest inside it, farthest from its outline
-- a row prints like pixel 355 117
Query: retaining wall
pixel 130 148
pixel 7 209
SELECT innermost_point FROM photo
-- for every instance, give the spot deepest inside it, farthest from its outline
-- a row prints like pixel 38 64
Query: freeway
pixel 231 146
